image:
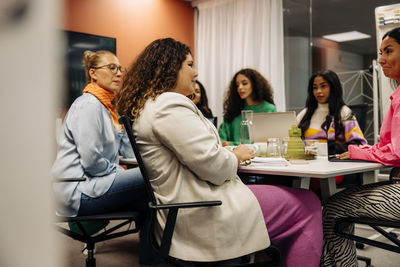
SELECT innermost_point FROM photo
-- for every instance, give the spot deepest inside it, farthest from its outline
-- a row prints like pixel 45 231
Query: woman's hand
pixel 226 143
pixel 243 153
pixel 344 155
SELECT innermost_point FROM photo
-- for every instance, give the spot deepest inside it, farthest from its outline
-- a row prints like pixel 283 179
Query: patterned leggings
pixel 379 201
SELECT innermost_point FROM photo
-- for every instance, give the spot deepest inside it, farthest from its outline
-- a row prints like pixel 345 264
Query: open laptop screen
pixel 270 125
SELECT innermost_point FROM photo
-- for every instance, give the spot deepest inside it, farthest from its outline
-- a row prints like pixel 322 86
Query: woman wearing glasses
pixel 89 144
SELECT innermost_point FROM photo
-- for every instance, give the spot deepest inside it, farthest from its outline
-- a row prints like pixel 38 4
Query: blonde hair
pixel 91 59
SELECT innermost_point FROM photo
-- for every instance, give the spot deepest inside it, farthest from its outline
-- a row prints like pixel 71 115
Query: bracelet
pixel 246 162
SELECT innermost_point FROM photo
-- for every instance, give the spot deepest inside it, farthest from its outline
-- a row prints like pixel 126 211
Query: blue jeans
pixel 127 193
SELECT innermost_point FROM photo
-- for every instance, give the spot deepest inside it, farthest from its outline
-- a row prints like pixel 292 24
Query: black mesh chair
pixel 173 208
pixel 125 220
pixel 215 121
pixel 360 112
pixel 342 224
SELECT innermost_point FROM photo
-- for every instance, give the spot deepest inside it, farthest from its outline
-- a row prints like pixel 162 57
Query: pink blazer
pixel 387 151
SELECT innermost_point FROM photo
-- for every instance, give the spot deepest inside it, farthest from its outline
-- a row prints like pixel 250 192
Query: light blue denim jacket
pixel 88 146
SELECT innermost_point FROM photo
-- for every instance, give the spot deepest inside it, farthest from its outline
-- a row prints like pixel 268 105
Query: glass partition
pixel 306 22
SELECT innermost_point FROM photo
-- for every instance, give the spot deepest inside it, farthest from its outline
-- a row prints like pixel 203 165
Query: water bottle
pixel 246 127
pixel 330 142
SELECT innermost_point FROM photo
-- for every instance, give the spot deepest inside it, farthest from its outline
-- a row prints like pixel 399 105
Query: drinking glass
pixel 246 127
pixel 285 141
pixel 273 149
pixel 311 147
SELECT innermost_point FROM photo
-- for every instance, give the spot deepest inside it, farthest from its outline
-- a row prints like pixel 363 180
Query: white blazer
pixel 186 162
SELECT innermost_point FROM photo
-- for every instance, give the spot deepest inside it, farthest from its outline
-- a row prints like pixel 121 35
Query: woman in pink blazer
pixel 378 200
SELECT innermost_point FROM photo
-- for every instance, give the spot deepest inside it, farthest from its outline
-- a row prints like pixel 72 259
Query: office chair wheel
pixel 366 260
pixel 360 245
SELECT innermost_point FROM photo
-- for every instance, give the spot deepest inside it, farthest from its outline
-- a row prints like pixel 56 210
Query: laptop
pixel 275 124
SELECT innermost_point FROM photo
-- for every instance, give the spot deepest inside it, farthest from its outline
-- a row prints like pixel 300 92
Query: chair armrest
pixel 171 219
pixel 395 175
pixel 186 205
pixel 63 180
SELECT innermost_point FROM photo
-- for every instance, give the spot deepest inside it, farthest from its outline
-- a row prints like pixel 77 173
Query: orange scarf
pixel 105 97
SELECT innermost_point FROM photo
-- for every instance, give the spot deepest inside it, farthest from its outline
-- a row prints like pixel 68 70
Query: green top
pixel 231 131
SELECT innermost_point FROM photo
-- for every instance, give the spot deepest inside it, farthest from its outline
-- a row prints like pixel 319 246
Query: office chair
pixel 215 121
pixel 90 239
pixel 341 224
pixel 360 112
pixel 173 208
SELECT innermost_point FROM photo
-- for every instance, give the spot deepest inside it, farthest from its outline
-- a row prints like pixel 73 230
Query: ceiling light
pixel 346 36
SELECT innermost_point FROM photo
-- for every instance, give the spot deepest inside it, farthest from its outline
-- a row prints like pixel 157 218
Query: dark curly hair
pixel 335 102
pixel 203 103
pixel 262 91
pixel 154 72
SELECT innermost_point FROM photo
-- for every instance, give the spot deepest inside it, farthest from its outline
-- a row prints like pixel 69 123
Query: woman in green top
pixel 248 90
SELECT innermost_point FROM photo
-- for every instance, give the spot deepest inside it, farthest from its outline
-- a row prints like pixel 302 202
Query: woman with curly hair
pixel 248 90
pixel 188 163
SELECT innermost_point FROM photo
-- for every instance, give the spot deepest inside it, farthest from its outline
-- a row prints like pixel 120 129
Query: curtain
pixel 235 34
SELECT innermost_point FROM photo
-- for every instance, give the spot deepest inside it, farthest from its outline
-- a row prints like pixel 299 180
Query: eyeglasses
pixel 112 67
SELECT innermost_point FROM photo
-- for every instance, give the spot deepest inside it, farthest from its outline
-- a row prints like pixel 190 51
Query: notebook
pixel 269 125
pixel 270 161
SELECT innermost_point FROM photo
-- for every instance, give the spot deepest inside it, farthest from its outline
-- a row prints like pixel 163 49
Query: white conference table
pixel 318 168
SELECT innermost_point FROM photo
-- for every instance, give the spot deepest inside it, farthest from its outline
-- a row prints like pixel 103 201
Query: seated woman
pixel 200 99
pixel 248 90
pixel 90 141
pixel 325 98
pixel 378 200
pixel 188 163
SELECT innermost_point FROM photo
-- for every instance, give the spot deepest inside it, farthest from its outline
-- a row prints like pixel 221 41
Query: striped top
pixel 352 131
